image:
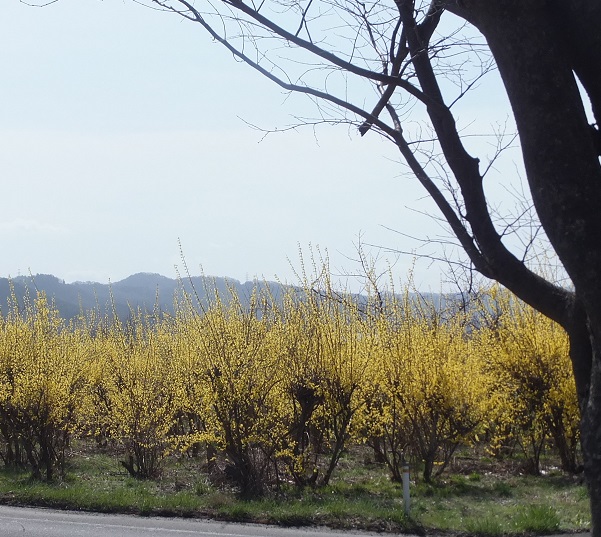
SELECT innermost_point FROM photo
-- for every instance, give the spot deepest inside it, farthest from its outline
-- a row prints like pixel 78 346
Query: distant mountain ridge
pixel 144 291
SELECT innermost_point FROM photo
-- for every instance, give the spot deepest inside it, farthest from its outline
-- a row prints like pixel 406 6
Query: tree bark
pixel 582 20
pixel 537 49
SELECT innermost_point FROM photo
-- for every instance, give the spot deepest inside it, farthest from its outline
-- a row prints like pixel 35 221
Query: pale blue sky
pixel 123 129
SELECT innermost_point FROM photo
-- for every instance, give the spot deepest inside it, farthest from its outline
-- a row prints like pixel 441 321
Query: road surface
pixel 33 522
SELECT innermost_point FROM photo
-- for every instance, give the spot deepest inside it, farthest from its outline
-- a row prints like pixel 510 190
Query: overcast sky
pixel 124 130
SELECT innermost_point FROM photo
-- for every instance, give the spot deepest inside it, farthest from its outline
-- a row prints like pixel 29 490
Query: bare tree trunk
pixel 560 156
pixel 589 399
pixel 591 436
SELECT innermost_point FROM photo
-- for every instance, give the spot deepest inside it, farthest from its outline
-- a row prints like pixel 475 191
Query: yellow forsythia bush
pixel 527 354
pixel 273 389
pixel 132 394
pixel 240 384
pixel 428 397
pixel 42 367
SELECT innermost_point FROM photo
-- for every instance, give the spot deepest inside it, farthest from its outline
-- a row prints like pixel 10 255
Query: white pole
pixel 406 493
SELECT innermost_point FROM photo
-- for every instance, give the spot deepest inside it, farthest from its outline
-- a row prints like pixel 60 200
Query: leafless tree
pixel 381 63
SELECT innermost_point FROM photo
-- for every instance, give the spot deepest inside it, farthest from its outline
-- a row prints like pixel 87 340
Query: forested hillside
pixel 143 291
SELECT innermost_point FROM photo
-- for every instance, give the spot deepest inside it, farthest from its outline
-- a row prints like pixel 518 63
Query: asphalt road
pixel 33 522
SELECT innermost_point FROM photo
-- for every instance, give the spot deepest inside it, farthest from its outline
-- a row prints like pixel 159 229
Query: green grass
pixel 488 526
pixel 361 496
pixel 505 505
pixel 538 519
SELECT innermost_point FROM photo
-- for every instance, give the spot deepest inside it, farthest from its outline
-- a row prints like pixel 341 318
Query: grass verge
pixel 361 497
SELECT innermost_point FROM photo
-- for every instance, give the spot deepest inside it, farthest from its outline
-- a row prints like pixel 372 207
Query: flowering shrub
pixel 273 391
